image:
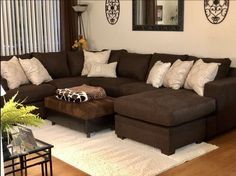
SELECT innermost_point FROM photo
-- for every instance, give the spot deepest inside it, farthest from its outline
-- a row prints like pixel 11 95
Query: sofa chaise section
pixel 177 122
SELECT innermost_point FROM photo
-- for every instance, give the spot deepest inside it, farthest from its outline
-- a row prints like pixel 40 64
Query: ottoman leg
pixel 168 151
pixel 87 128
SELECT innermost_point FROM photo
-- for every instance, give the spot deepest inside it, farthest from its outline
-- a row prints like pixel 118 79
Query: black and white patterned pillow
pixel 71 96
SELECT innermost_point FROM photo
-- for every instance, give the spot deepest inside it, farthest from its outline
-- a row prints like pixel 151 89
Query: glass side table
pixel 20 159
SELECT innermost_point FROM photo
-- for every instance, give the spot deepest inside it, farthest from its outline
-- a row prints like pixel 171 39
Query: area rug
pixel 106 155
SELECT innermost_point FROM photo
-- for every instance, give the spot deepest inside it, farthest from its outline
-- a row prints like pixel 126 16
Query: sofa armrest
pixel 4 84
pixel 224 92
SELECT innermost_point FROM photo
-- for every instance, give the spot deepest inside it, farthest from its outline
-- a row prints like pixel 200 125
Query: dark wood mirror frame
pixel 179 27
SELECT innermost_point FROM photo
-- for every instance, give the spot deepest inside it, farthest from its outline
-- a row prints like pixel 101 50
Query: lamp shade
pixel 2 91
pixel 80 8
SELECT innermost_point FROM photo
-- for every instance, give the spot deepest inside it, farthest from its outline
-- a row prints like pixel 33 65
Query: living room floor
pixel 218 162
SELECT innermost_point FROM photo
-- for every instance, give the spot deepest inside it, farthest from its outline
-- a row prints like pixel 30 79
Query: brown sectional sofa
pixel 163 117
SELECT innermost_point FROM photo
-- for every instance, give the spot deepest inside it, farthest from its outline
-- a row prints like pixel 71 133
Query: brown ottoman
pixel 96 114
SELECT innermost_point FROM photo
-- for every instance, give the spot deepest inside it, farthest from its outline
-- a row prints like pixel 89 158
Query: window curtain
pixel 69 24
pixel 30 26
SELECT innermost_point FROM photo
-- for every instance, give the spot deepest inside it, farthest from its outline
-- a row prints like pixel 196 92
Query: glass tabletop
pixel 21 149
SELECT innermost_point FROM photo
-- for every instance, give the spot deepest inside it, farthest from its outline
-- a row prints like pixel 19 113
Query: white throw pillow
pixel 200 74
pixel 12 71
pixel 177 74
pixel 103 70
pixel 35 71
pixel 157 74
pixel 94 57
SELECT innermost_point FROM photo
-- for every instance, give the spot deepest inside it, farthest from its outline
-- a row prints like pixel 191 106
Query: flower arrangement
pixel 80 44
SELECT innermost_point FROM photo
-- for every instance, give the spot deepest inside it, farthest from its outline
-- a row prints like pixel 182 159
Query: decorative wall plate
pixel 112 9
pixel 216 10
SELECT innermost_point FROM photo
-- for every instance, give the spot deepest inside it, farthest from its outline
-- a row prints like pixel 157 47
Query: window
pixel 30 26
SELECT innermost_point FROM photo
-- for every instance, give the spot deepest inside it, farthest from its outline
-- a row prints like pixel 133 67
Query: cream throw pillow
pixel 103 70
pixel 12 71
pixel 94 57
pixel 200 74
pixel 35 71
pixel 177 74
pixel 157 74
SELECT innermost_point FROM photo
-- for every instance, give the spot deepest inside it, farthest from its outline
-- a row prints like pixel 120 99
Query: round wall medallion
pixel 112 9
pixel 216 10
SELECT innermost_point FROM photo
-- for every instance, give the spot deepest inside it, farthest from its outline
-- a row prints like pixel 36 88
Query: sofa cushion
pixel 115 55
pixel 165 107
pixel 75 62
pixel 223 68
pixel 31 93
pixel 68 82
pixel 165 58
pixel 135 87
pixel 111 85
pixel 133 65
pixel 55 63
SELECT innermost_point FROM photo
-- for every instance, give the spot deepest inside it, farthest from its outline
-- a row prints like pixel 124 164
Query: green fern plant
pixel 15 113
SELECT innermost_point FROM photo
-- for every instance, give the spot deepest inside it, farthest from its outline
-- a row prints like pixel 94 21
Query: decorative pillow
pixel 200 74
pixel 157 74
pixel 103 70
pixel 35 71
pixel 12 71
pixel 94 57
pixel 177 74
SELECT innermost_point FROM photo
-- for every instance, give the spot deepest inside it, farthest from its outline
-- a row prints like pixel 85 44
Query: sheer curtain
pixel 30 26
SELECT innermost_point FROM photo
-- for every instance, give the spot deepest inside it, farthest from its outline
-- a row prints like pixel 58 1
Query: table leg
pixel 25 165
pixel 46 168
pixel 21 165
pixel 13 167
pixel 87 128
pixel 50 163
pixel 42 169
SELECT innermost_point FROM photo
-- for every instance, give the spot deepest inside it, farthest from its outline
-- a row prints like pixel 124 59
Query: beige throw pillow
pixel 103 70
pixel 200 74
pixel 177 74
pixel 157 74
pixel 94 57
pixel 35 71
pixel 12 71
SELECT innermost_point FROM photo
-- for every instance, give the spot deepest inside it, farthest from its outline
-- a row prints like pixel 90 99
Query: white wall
pixel 200 37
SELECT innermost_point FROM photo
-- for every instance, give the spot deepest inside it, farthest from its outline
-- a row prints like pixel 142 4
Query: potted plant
pixel 15 113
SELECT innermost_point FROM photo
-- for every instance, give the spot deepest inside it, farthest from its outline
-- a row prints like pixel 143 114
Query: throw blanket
pixel 80 93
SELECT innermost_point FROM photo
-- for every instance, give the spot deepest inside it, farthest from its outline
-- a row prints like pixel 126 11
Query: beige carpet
pixel 106 155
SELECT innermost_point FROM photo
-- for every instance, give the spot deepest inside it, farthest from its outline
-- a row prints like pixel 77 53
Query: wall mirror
pixel 158 15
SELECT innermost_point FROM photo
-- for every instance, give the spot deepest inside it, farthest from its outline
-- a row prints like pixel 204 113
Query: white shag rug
pixel 106 155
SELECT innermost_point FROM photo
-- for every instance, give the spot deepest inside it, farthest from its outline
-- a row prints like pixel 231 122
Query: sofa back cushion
pixel 23 56
pixel 223 68
pixel 115 55
pixel 55 63
pixel 232 72
pixel 75 62
pixel 165 58
pixel 133 65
